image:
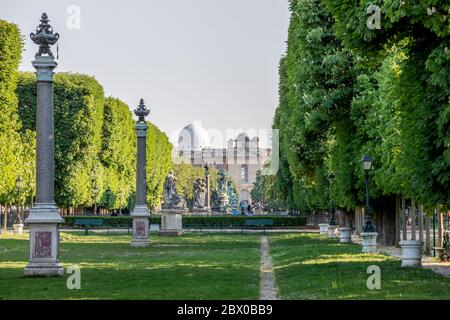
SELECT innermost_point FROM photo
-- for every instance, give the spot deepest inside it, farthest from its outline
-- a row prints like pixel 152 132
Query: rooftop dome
pixel 193 137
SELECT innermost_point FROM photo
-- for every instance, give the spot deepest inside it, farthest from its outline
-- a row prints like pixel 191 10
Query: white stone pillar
pixel 345 235
pixel 411 253
pixel 323 228
pixel 332 231
pixel 172 222
pixel 369 242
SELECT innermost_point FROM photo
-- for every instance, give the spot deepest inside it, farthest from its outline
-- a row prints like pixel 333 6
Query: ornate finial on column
pixel 44 36
pixel 141 111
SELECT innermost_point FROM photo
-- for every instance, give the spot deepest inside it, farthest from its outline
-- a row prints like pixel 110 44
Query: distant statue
pixel 222 182
pixel 171 198
pixel 199 192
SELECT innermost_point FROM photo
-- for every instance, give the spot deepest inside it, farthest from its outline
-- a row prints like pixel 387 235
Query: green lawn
pixel 212 266
pixel 196 266
pixel 309 266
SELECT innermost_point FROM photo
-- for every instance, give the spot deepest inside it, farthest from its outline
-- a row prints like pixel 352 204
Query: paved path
pixel 428 262
pixel 214 230
pixel 268 290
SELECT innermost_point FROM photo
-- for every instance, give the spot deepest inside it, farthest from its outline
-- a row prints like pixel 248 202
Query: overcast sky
pixel 214 61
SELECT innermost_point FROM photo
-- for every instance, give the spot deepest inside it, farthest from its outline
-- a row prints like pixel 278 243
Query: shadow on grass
pixel 311 267
pixel 190 267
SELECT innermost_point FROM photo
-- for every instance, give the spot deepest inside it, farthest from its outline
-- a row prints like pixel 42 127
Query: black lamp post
pixel 119 198
pixel 332 221
pixel 19 188
pixel 367 166
pixel 95 199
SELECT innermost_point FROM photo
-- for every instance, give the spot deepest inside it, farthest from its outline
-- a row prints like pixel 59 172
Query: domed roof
pixel 243 136
pixel 193 137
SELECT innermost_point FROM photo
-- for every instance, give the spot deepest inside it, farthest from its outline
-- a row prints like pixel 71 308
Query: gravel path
pixel 428 262
pixel 268 289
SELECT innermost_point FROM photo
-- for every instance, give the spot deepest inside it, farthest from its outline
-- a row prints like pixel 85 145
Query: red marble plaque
pixel 43 244
pixel 140 228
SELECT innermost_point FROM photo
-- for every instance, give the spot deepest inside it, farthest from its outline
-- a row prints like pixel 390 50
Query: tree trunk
pixel 420 214
pixel 440 242
pixel 413 219
pixel 2 224
pixel 404 220
pixel 398 210
pixel 384 220
pixel 427 249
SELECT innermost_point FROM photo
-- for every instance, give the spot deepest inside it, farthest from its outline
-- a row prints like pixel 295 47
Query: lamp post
pixel 19 202
pixel 332 221
pixel 95 189
pixel 332 227
pixel 369 236
pixel 207 193
pixel 119 198
pixel 367 165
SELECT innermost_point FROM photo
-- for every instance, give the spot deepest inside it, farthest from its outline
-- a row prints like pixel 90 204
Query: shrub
pixel 214 221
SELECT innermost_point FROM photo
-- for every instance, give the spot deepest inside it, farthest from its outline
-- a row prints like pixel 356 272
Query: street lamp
pixel 19 188
pixel 95 189
pixel 332 221
pixel 367 166
pixel 119 198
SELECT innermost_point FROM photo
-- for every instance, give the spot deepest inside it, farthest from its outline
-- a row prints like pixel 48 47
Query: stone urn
pixel 323 228
pixel 411 253
pixel 332 231
pixel 345 234
pixel 18 228
pixel 369 242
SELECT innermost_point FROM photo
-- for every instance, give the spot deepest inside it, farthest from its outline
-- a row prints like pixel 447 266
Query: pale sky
pixel 214 61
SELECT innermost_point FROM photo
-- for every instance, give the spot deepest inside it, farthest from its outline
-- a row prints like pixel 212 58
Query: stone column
pixel 208 190
pixel 44 217
pixel 141 213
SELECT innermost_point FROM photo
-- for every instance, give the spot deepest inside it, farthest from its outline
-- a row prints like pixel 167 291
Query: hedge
pixel 214 221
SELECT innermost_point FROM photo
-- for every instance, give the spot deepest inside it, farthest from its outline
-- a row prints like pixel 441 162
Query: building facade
pixel 241 159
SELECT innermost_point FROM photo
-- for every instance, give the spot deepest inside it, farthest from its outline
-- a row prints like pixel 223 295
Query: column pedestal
pixel 172 222
pixel 331 230
pixel 411 253
pixel 44 241
pixel 323 228
pixel 369 242
pixel 140 216
pixel 201 211
pixel 345 234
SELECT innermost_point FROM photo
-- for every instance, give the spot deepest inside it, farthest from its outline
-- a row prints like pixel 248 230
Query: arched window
pixel 244 173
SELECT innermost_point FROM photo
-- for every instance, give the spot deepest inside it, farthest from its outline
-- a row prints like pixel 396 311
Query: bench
pixel 99 223
pixel 258 223
pixel 86 223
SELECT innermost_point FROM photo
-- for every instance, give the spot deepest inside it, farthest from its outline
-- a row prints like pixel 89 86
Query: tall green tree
pixel 118 154
pixel 407 79
pixel 159 163
pixel 10 139
pixel 79 102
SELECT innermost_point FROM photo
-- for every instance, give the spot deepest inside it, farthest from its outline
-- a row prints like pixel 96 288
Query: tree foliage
pixel 16 143
pixel 346 90
pixel 95 145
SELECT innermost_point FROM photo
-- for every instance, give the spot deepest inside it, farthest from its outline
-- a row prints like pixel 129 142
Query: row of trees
pixel 347 89
pixel 95 139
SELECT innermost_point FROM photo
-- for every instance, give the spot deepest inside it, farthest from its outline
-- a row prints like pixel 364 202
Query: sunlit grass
pixel 308 266
pixel 195 266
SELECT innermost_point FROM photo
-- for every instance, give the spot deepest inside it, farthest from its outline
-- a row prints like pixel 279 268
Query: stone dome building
pixel 242 157
pixel 193 137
